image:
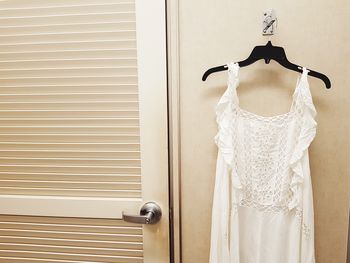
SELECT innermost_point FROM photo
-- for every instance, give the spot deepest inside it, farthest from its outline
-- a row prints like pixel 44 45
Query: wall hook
pixel 269 22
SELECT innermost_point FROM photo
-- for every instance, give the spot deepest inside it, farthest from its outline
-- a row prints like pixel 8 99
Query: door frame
pixel 173 72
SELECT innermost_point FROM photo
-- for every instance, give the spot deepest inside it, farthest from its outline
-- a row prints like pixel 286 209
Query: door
pixel 83 131
pixel 315 35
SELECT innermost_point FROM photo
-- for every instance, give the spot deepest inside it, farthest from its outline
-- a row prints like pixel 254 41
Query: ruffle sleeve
pixel 226 121
pixel 219 246
pixel 306 136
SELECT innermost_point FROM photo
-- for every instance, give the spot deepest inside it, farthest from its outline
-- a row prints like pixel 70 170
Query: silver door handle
pixel 150 213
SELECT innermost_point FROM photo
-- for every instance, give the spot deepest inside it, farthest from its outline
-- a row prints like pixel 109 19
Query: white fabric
pixel 262 206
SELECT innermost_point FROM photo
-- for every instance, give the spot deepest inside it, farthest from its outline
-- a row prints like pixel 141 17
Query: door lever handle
pixel 150 213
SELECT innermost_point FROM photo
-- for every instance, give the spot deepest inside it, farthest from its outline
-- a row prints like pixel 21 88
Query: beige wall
pixel 315 34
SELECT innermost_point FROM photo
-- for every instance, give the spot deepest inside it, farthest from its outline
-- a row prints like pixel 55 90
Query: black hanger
pixel 267 53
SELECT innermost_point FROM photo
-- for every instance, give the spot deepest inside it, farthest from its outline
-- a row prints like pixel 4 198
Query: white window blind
pixel 69 120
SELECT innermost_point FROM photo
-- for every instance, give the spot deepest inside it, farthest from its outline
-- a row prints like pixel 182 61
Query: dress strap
pixel 302 80
pixel 233 69
pixel 233 80
pixel 304 76
pixel 305 92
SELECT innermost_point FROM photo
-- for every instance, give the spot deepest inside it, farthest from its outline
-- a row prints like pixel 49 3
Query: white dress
pixel 263 206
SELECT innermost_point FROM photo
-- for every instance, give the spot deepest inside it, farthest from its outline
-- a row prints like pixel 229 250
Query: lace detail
pixel 265 174
pixel 264 153
pixel 306 230
pixel 269 119
pixel 299 214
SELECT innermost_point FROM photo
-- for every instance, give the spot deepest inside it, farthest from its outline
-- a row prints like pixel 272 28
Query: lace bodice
pixel 263 153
